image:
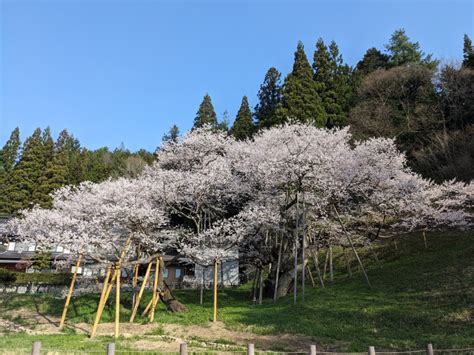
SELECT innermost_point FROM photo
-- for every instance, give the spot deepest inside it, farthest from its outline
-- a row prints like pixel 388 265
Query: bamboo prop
pixel 349 270
pixel 69 294
pixel 201 291
pixel 140 293
pixel 257 277
pixel 303 247
pixel 318 270
pixel 135 282
pixel 326 261
pixel 222 279
pixel 101 302
pixel 260 290
pixel 214 318
pixel 155 292
pixel 331 274
pixel 117 302
pixel 313 283
pixel 148 307
pixel 295 284
pixel 352 246
pixel 275 291
pixel 424 239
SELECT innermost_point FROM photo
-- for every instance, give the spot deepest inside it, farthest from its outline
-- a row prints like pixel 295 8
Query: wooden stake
pixel 155 292
pixel 318 270
pixel 349 270
pixel 140 293
pixel 331 274
pixel 69 294
pixel 303 247
pixel 310 275
pixel 297 232
pixel 260 287
pixel 424 239
pixel 102 301
pixel 117 302
pixel 201 291
pixel 214 318
pixel 275 291
pixel 353 248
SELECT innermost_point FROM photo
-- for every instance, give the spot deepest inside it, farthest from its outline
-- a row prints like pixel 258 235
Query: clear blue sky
pixel 125 71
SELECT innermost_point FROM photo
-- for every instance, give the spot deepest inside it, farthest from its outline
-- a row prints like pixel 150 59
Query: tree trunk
pixel 171 303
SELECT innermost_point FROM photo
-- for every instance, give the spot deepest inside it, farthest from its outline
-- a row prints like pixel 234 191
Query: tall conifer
pixel 243 127
pixel 269 97
pixel 206 114
pixel 301 101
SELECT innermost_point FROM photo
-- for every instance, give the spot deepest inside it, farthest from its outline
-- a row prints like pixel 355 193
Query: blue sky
pixel 125 71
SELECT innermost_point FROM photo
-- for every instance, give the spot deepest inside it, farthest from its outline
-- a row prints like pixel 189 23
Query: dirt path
pixel 160 337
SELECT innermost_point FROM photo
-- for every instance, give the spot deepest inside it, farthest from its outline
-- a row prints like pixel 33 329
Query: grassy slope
pixel 418 296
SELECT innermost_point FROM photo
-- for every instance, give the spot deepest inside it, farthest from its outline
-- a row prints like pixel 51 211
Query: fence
pixel 183 350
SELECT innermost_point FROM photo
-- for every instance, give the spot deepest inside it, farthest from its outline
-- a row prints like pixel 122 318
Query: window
pixel 165 273
pixel 11 246
pixel 177 273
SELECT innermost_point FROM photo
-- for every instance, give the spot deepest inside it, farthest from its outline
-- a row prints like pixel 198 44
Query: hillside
pixel 418 296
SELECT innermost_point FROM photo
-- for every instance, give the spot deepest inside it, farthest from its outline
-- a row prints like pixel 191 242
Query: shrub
pixel 7 277
pixel 58 279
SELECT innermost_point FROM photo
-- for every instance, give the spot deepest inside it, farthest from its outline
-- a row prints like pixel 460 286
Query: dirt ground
pixel 215 336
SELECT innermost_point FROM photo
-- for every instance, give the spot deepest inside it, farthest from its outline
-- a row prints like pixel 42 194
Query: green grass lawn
pixel 418 296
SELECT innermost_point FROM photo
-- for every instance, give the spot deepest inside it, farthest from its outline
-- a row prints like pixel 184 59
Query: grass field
pixel 418 296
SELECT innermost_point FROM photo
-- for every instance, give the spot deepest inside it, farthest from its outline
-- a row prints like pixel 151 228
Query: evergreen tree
pixel 402 51
pixel 24 178
pixel 269 97
pixel 10 151
pixel 56 172
pixel 172 135
pixel 301 101
pixel 8 158
pixel 223 125
pixel 243 125
pixel 373 60
pixel 206 114
pixel 468 53
pixel 333 82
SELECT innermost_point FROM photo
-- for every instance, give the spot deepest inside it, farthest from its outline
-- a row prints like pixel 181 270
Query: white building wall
pixel 229 272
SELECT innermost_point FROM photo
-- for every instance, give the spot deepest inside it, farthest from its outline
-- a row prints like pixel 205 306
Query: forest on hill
pixel 398 92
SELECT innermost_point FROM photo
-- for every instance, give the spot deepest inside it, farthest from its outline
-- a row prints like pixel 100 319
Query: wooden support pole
pixel 424 239
pixel 36 350
pixel 183 349
pixel 310 273
pixel 429 349
pixel 148 307
pixel 331 271
pixel 303 247
pixel 275 291
pixel 111 349
pixel 201 291
pixel 71 289
pixel 214 318
pixel 312 350
pixel 349 270
pixel 371 350
pixel 295 252
pixel 117 302
pixel 102 301
pixel 353 247
pixel 318 270
pixel 250 349
pixel 154 298
pixel 260 287
pixel 140 293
